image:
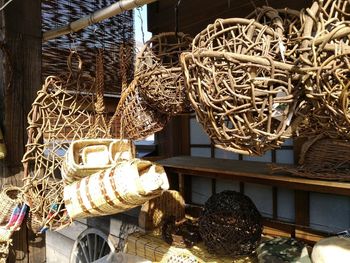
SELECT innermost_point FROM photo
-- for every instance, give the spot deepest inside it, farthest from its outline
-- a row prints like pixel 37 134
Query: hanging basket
pixel 243 97
pixel 138 120
pixel 161 81
pixel 326 52
pixel 87 156
pixel 10 198
pixel 126 185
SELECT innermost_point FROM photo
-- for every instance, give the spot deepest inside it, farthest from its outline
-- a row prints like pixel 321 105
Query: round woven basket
pixel 161 81
pixel 10 198
pixel 138 120
pixel 242 95
pixel 231 224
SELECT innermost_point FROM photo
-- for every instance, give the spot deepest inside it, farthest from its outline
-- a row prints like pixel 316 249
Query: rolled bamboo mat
pixel 153 248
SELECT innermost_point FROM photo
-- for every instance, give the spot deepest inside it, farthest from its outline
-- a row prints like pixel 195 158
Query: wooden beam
pixel 252 172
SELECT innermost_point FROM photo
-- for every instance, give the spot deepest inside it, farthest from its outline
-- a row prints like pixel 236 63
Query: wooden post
pixel 22 32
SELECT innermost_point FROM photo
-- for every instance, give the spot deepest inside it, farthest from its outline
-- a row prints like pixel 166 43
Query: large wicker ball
pixel 158 68
pixel 231 224
pixel 241 96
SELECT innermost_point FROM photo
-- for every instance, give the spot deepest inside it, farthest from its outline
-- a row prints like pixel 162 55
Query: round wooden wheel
pixel 92 245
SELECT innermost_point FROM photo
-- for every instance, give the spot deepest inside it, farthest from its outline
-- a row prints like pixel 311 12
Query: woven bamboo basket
pixel 153 212
pixel 161 81
pixel 322 158
pixel 126 185
pixel 242 95
pixel 138 120
pixel 88 156
pixel 10 198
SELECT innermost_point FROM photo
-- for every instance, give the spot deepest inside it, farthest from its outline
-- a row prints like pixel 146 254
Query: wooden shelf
pixel 252 172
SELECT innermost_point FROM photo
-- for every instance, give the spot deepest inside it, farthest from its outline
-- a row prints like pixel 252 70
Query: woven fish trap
pixel 231 224
pixel 322 158
pixel 88 156
pixel 64 111
pixel 126 185
pixel 138 119
pixel 242 95
pixel 161 81
pixel 10 198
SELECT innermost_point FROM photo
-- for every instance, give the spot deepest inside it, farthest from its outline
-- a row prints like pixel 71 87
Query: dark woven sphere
pixel 231 224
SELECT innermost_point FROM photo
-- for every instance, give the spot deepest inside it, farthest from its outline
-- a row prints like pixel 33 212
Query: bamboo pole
pixel 107 12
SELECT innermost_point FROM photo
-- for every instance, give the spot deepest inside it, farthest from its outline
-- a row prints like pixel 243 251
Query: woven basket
pixel 10 198
pixel 161 81
pixel 153 212
pixel 327 52
pixel 231 224
pixel 242 95
pixel 126 185
pixel 322 158
pixel 87 156
pixel 14 223
pixel 138 120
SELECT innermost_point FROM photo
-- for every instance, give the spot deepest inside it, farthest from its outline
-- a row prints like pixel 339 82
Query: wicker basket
pixel 327 85
pixel 322 158
pixel 126 185
pixel 10 198
pixel 242 95
pixel 161 81
pixel 87 156
pixel 14 223
pixel 138 120
pixel 231 224
pixel 153 212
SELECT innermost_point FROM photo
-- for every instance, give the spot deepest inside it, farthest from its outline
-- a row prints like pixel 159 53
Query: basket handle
pixel 72 71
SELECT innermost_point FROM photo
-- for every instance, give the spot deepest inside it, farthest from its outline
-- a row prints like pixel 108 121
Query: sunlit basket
pixel 161 81
pixel 181 258
pixel 14 223
pixel 126 185
pixel 87 156
pixel 10 198
pixel 138 120
pixel 153 212
pixel 231 224
pixel 327 85
pixel 242 95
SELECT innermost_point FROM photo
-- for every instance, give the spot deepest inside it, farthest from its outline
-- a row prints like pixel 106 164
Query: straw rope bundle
pixel 159 73
pixel 138 120
pixel 126 185
pixel 242 95
pixel 63 111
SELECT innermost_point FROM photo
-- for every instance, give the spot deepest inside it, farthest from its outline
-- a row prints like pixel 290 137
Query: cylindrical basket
pixel 126 185
pixel 87 156
pixel 242 95
pixel 138 120
pixel 161 81
pixel 10 198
